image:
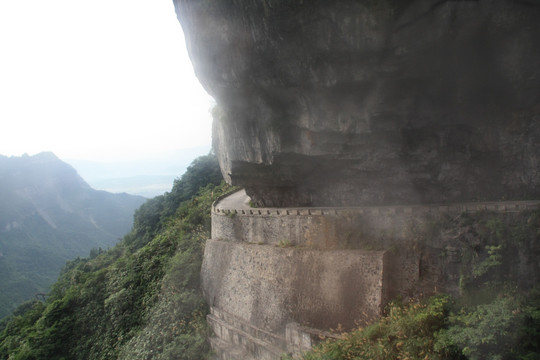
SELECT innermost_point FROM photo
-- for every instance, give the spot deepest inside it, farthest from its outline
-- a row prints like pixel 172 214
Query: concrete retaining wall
pixel 269 286
pixel 334 227
pixel 276 279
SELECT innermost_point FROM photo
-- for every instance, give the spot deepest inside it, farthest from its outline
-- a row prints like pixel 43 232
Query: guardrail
pixel 501 206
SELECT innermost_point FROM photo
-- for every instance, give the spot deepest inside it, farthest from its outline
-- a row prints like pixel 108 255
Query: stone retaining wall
pixel 334 227
pixel 271 286
pixel 277 279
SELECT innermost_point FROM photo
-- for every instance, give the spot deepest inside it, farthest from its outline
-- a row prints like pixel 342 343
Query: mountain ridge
pixel 48 215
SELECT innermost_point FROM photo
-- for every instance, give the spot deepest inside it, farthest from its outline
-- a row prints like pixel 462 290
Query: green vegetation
pixel 285 243
pixel 505 328
pixel 49 215
pixel 141 300
pixel 407 331
pixel 496 314
pixel 138 300
pixel 508 327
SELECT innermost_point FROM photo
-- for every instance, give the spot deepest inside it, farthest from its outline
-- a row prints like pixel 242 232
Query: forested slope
pixel 49 215
pixel 139 300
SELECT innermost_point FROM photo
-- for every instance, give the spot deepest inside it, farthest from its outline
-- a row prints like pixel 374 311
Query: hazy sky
pixel 97 80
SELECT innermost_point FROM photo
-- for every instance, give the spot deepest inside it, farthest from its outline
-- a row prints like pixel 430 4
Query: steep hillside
pixel 138 300
pixel 48 215
pixel 141 299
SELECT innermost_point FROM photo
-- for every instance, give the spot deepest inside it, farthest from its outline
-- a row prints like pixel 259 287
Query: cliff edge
pixel 339 103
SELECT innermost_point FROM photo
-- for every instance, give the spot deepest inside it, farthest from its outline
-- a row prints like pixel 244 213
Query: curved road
pixel 237 200
pixel 240 201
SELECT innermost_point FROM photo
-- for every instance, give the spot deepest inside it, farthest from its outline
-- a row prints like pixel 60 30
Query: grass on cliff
pixel 495 315
pixel 508 327
pixel 138 300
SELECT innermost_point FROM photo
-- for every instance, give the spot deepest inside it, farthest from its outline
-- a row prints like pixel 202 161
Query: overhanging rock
pixel 347 102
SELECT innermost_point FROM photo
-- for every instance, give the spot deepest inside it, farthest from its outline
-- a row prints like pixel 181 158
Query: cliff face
pixel 372 102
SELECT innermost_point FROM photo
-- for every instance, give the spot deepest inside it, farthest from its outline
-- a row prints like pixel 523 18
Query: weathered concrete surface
pixel 236 339
pixel 269 286
pixel 347 102
pixel 275 278
pixel 326 228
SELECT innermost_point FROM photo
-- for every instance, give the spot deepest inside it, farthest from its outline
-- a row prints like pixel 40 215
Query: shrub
pixel 406 332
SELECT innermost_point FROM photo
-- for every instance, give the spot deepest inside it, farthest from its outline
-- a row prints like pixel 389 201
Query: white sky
pixel 97 80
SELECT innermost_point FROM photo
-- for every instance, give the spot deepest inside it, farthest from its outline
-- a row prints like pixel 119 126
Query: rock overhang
pixel 372 102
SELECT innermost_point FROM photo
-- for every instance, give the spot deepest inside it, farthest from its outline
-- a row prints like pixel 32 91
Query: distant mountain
pixel 149 177
pixel 48 215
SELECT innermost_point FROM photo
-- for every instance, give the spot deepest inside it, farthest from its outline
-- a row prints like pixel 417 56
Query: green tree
pixel 139 299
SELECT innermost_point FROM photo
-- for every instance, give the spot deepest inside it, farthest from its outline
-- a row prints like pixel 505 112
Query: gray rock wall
pixel 269 286
pixel 277 278
pixel 352 102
